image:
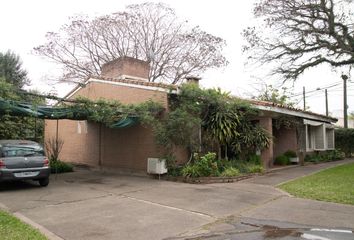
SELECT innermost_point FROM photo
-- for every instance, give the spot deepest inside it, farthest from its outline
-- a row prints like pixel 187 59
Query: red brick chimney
pixel 126 67
pixel 193 79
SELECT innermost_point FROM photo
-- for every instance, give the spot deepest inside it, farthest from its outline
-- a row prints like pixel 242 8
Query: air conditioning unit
pixel 156 166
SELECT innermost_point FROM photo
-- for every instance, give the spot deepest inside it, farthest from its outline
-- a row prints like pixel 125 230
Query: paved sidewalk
pixel 281 176
pixel 94 205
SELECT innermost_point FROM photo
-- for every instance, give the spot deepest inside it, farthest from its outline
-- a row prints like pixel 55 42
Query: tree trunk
pixel 226 157
pixel 219 151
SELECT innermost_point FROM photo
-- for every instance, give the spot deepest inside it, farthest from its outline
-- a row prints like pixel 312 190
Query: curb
pixel 50 235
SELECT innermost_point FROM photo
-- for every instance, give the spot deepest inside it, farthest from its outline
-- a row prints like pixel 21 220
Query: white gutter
pixel 151 88
pixel 292 113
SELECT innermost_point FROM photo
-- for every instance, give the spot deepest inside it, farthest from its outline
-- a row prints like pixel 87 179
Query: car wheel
pixel 44 182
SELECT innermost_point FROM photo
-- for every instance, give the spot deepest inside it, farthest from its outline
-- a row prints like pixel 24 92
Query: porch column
pixel 267 154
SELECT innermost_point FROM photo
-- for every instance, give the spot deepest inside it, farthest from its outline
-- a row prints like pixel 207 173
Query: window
pixel 19 151
pixel 309 138
pixel 330 138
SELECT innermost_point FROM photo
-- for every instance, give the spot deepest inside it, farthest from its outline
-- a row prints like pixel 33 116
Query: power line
pixel 317 89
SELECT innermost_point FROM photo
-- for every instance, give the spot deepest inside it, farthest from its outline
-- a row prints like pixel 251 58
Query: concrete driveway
pixel 95 205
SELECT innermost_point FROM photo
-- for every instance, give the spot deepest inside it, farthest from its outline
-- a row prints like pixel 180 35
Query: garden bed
pixel 208 180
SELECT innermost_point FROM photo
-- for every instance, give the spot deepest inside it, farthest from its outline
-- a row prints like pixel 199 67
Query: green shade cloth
pixel 47 112
pixel 125 122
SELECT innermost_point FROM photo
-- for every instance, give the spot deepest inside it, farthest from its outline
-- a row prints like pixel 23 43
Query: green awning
pixel 125 122
pixel 17 109
pixel 48 112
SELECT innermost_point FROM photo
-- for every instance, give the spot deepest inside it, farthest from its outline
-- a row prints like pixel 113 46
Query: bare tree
pixel 147 31
pixel 300 34
pixel 53 147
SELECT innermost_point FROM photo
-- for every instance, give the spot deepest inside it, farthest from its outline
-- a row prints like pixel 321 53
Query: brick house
pixel 128 149
pixel 315 132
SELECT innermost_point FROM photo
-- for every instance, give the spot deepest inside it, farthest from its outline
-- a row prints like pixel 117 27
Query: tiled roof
pixel 271 104
pixel 137 82
pixel 128 80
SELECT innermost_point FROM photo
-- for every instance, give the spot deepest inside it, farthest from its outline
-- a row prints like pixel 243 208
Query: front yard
pixel 332 185
pixel 12 228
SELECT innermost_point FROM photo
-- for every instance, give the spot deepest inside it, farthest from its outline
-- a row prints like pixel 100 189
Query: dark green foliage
pixel 344 139
pixel 57 166
pixel 230 172
pixel 204 166
pixel 12 127
pixel 255 168
pixel 11 70
pixel 12 79
pixel 290 154
pixel 256 159
pixel 221 120
pixel 325 156
pixel 282 160
pixel 247 167
pixel 251 138
pixel 109 112
pixel 178 128
pixel 208 166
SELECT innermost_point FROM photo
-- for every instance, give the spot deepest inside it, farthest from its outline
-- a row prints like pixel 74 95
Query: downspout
pixel 100 146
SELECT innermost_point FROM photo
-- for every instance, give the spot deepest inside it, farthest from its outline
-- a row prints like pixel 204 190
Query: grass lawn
pixel 12 228
pixel 332 185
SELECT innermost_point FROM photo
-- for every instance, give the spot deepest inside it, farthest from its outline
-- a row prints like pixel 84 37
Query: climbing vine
pixel 200 120
pixel 109 112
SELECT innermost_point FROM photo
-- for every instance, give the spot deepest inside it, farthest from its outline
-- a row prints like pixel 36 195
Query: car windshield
pixel 22 151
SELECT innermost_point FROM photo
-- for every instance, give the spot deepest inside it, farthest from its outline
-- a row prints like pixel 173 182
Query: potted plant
pixel 293 158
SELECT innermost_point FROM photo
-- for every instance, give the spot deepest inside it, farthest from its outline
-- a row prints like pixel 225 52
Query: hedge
pixel 344 140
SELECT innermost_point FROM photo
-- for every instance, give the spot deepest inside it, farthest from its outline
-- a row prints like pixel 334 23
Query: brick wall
pixel 126 66
pixel 284 140
pixel 267 154
pixel 124 94
pixel 78 147
pixel 126 148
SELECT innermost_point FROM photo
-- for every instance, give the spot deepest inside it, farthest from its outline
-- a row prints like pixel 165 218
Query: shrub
pixel 230 172
pixel 208 165
pixel 254 168
pixel 58 166
pixel 240 165
pixel 191 170
pixel 256 159
pixel 344 139
pixel 290 154
pixel 204 166
pixel 337 154
pixel 325 157
pixel 282 160
pixel 175 171
pixel 223 164
pixel 247 166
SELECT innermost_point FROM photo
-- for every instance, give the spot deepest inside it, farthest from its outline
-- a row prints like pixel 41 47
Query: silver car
pixel 23 160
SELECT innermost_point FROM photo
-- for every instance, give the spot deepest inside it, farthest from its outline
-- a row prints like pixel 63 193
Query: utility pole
pixel 304 97
pixel 326 94
pixel 345 105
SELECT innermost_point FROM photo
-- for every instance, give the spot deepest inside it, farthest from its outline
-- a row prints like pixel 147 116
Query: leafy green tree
pixel 344 138
pixel 11 70
pixel 221 119
pixel 13 77
pixel 275 95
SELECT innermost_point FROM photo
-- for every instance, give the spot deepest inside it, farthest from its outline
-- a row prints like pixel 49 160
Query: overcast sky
pixel 24 24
